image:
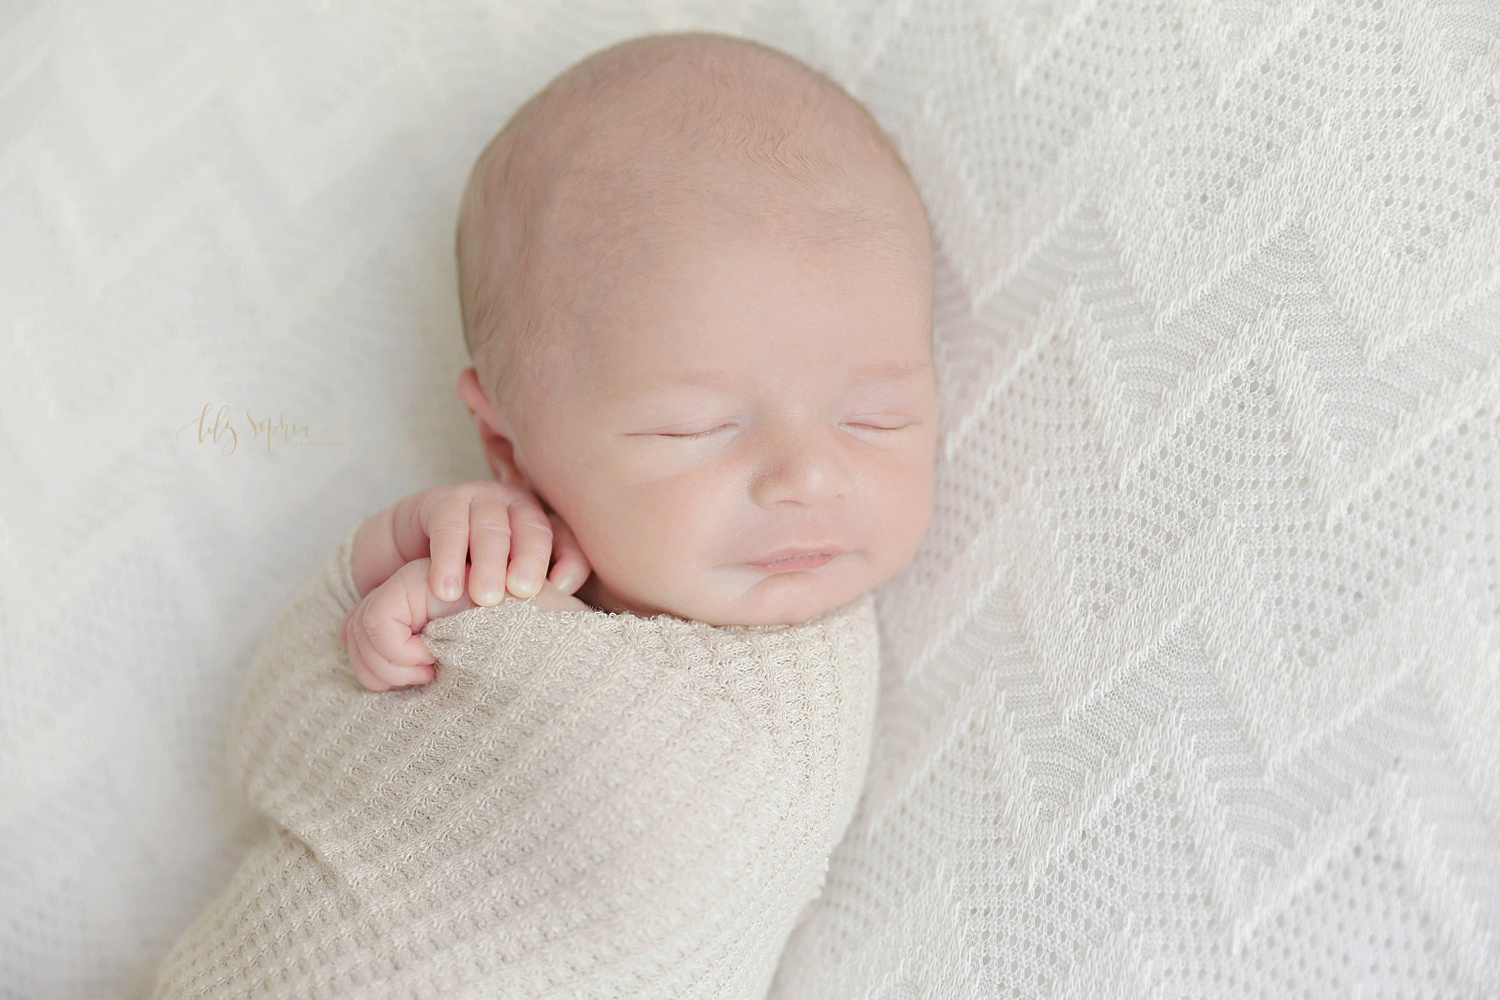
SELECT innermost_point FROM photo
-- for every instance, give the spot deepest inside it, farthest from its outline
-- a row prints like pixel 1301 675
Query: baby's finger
pixel 571 568
pixel 356 654
pixel 489 547
pixel 364 675
pixel 391 651
pixel 447 527
pixel 380 674
pixel 530 547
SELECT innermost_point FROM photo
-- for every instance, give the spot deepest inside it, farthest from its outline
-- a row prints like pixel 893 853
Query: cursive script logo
pixel 222 429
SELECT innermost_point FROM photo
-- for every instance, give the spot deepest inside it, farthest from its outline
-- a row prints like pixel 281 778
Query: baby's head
pixel 696 283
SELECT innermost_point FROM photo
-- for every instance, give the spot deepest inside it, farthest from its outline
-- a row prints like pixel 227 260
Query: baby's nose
pixel 799 466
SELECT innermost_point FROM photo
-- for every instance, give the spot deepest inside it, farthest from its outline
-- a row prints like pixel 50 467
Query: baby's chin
pixel 784 602
pixel 787 598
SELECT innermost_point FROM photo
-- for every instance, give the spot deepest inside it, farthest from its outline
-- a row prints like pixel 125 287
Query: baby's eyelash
pixel 689 437
pixel 715 430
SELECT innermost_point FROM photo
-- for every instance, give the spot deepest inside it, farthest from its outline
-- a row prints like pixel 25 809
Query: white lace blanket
pixel 579 804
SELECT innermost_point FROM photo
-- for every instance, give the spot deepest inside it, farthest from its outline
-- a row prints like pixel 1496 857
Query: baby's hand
pixel 503 529
pixel 438 528
pixel 381 633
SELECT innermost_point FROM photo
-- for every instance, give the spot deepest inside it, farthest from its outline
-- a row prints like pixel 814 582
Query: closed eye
pixel 715 430
pixel 689 437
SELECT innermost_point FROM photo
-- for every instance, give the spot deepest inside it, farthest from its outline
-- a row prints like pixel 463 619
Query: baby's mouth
pixel 796 562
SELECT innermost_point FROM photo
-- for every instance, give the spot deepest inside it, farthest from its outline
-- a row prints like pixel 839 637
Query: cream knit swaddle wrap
pixel 580 804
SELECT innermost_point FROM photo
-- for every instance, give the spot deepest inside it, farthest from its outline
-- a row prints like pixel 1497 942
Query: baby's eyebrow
pixel 893 371
pixel 875 371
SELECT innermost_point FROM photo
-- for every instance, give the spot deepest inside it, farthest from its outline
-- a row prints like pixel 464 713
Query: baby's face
pixel 754 398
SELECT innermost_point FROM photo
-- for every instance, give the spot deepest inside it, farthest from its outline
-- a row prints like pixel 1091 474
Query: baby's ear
pixel 499 453
pixel 471 393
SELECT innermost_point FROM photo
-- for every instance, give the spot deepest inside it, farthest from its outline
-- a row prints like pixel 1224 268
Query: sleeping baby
pixel 696 285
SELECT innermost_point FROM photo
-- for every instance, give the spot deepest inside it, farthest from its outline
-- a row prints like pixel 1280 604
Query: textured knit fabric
pixel 581 804
pixel 1191 693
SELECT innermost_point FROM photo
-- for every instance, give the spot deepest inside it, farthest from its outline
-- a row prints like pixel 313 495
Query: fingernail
pixel 489 589
pixel 525 586
pixel 566 583
pixel 450 589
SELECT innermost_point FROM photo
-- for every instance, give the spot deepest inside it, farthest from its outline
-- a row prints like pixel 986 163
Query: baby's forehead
pixel 726 313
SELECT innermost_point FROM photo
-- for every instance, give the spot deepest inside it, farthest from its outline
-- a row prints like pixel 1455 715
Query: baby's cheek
pixel 674 521
pixel 909 514
pixel 643 550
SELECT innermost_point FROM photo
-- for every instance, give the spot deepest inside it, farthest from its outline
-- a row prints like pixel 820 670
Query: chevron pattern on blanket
pixel 1193 690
